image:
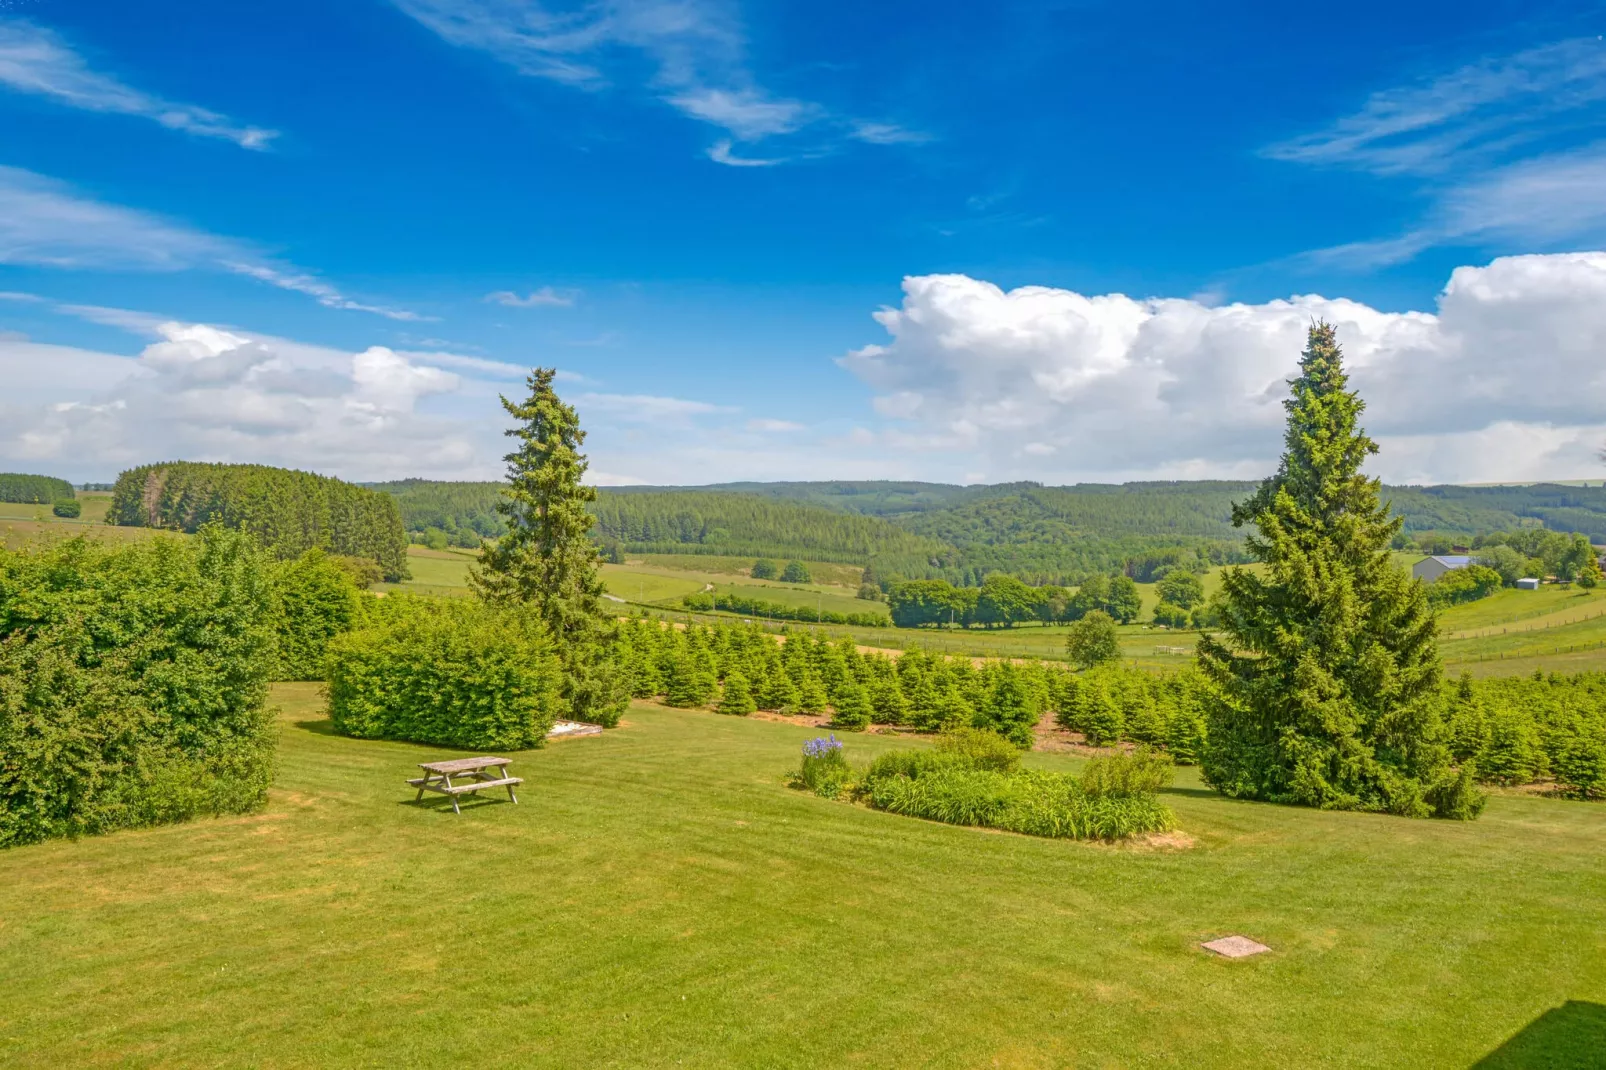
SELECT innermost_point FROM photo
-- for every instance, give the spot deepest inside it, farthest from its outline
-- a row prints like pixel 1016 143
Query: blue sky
pixel 209 214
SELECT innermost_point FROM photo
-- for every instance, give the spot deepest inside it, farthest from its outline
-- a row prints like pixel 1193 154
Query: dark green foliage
pixel 1327 683
pixel 1092 640
pixel 289 512
pixel 316 600
pixel 707 601
pixel 796 572
pixel 68 508
pixel 1181 588
pixel 1463 585
pixel 132 684
pixel 33 490
pixel 763 569
pixel 1172 616
pixel 450 507
pixel 451 672
pixel 546 560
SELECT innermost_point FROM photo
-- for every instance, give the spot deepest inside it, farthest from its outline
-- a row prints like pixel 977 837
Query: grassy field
pixel 659 898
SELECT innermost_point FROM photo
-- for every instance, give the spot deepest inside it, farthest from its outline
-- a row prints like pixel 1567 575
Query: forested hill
pixel 934 530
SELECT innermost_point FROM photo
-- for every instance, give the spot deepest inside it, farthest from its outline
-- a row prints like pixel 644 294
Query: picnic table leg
pixel 453 795
pixel 420 796
pixel 510 794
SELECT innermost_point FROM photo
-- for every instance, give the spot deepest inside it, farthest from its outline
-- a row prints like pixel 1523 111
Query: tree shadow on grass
pixel 322 726
pixel 1569 1037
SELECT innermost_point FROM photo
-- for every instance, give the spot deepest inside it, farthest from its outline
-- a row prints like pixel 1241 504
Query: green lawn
pixel 659 898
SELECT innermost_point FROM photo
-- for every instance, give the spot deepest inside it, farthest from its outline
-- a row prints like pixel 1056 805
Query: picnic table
pixel 474 773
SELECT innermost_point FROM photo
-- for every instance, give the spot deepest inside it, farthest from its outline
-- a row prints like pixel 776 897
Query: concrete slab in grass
pixel 1235 947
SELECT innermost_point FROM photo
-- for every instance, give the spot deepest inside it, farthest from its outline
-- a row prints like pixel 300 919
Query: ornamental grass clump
pixel 1115 802
pixel 825 769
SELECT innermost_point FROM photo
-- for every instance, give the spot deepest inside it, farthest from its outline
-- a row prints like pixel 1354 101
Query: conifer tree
pixel 737 697
pixel 852 709
pixel 1329 674
pixel 547 560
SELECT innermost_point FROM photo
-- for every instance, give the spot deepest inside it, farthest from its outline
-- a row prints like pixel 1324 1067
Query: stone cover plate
pixel 1235 947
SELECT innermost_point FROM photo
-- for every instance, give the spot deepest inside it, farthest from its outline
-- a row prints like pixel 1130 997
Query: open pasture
pixel 659 898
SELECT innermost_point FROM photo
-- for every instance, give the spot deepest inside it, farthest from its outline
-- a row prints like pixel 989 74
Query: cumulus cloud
pixel 45 223
pixel 36 60
pixel 644 408
pixel 773 426
pixel 209 393
pixel 1502 381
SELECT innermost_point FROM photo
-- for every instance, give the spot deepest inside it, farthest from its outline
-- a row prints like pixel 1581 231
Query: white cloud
pixel 695 49
pixel 203 392
pixel 36 60
pixel 747 113
pixel 887 134
pixel 644 408
pixel 545 297
pixel 773 426
pixel 45 223
pixel 1478 112
pixel 720 152
pixel 1047 383
pixel 1503 151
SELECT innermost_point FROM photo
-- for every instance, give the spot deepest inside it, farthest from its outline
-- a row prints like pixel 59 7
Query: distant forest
pixel 962 534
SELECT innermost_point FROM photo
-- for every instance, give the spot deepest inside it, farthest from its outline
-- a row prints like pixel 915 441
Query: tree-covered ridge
pixel 288 511
pixel 33 490
pixel 428 503
pixel 740 524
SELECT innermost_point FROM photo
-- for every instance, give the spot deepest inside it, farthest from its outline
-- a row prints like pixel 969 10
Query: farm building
pixel 1528 583
pixel 1431 568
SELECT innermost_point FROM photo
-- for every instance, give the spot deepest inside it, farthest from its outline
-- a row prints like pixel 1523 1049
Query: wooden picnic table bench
pixel 475 774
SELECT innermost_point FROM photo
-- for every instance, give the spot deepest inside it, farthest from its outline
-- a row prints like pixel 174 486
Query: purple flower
pixel 819 748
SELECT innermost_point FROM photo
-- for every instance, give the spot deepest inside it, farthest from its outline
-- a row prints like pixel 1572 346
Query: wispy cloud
pixel 1504 149
pixel 45 223
pixel 545 297
pixel 34 59
pixel 773 426
pixel 1480 112
pixel 696 51
pixel 721 152
pixel 646 408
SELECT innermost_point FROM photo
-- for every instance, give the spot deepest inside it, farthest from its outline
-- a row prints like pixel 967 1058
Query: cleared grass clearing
pixel 1508 611
pixel 659 898
pixel 724 566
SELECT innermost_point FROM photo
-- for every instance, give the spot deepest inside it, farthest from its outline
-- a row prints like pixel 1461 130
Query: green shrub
pixel 913 764
pixel 1125 776
pixel 452 672
pixel 1030 802
pixel 69 508
pixel 980 749
pixel 1172 616
pixel 317 600
pixel 824 769
pixel 796 572
pixel 763 569
pixel 133 683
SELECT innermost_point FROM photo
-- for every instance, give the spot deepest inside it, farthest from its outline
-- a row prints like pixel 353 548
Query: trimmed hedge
pixel 133 682
pixel 33 490
pixel 453 672
pixel 317 600
pixel 290 512
pixel 68 508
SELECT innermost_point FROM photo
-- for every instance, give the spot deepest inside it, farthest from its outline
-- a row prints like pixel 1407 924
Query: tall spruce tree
pixel 547 559
pixel 1328 683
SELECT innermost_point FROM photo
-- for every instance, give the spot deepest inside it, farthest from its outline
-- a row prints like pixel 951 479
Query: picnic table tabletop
pixel 463 765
